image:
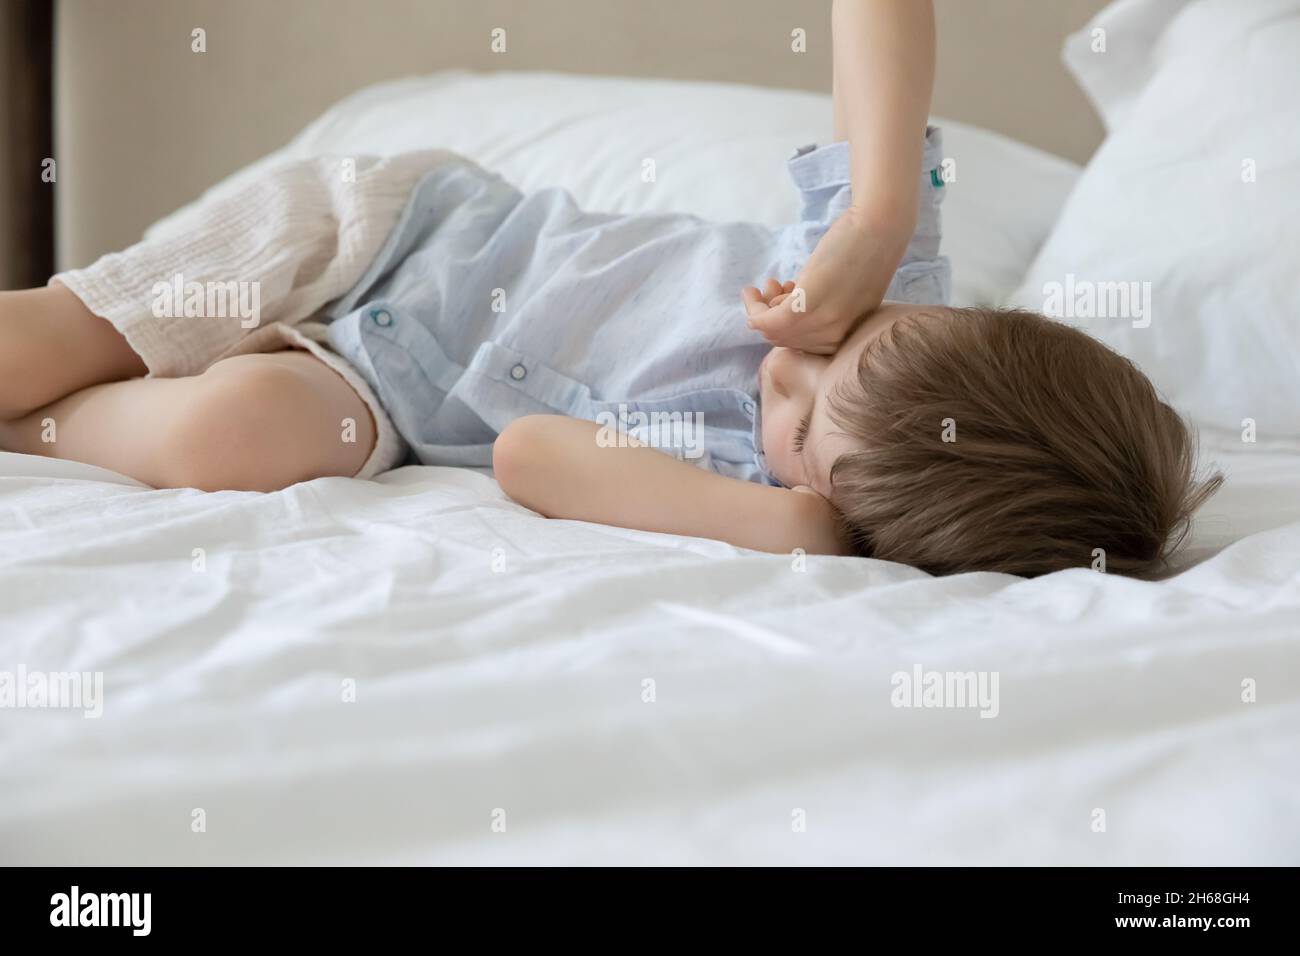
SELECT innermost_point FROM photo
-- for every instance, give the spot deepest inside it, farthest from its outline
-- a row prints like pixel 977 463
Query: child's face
pixel 800 440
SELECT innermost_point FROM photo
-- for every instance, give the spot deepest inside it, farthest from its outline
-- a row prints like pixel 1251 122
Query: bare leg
pixel 51 345
pixel 252 423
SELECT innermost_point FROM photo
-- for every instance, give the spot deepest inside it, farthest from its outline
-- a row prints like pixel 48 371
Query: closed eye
pixel 801 434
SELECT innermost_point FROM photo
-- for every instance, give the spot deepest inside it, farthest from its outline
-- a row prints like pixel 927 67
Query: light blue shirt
pixel 485 305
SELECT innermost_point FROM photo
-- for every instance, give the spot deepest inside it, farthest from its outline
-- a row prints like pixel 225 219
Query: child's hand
pixel 761 301
pixel 844 280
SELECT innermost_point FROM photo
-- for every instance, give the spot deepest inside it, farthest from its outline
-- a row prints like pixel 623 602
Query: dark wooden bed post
pixel 27 119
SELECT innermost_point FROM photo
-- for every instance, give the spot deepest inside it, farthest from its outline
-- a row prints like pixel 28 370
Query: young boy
pixel 423 309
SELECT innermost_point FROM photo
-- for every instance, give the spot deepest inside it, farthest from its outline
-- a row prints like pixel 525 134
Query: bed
pixel 419 670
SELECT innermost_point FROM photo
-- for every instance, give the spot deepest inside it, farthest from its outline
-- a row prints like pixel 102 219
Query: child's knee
pixel 247 424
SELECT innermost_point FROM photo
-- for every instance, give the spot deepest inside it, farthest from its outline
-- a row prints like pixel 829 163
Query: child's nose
pixel 788 371
pixel 778 371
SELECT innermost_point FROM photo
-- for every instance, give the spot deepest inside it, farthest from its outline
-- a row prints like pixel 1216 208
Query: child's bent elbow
pixel 514 455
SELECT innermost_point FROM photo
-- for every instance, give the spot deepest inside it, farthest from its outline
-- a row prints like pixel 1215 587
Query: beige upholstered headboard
pixel 143 123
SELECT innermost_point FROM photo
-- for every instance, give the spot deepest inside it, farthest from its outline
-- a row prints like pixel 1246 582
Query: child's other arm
pixel 557 466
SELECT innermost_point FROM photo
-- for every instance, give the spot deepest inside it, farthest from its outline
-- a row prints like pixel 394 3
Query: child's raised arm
pixel 883 74
pixel 558 466
pixel 882 78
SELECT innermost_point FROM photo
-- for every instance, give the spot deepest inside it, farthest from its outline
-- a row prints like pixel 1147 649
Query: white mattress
pixel 500 661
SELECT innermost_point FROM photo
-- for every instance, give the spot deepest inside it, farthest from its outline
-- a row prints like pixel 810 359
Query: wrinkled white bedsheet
pixel 502 667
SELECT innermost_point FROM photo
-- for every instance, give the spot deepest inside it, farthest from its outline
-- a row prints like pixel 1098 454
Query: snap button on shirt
pixel 518 372
pixel 382 317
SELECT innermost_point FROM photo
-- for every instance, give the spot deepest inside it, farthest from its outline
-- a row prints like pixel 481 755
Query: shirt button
pixel 382 317
pixel 749 408
pixel 518 372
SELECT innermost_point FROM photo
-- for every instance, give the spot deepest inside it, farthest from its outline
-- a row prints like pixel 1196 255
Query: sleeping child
pixel 802 387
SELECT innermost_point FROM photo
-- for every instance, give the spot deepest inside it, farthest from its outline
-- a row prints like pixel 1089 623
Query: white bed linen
pixel 500 659
pixel 499 662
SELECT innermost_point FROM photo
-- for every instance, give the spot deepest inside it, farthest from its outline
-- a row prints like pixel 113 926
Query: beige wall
pixel 144 124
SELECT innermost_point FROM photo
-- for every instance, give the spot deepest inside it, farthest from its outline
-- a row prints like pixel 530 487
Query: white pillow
pixel 719 151
pixel 1196 191
pixel 1128 32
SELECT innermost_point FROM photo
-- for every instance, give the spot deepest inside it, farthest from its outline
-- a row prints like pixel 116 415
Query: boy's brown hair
pixel 999 440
